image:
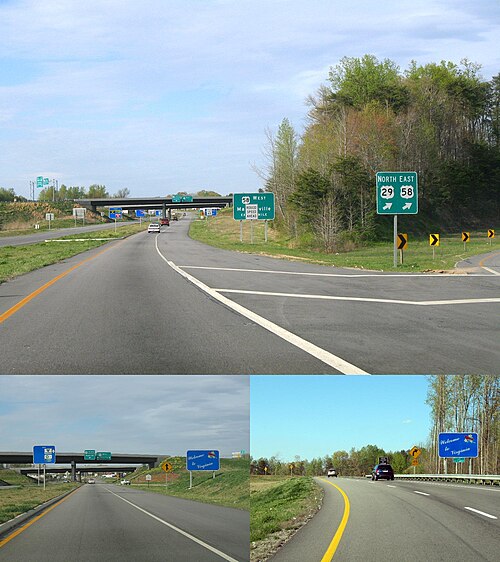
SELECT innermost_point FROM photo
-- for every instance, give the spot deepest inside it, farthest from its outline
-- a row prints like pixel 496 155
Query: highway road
pixel 167 304
pixel 106 523
pixel 396 520
pixel 56 233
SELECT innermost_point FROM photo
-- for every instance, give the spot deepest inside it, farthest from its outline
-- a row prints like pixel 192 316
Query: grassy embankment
pixel 20 218
pixel 230 487
pixel 16 260
pixel 14 501
pixel 224 232
pixel 279 505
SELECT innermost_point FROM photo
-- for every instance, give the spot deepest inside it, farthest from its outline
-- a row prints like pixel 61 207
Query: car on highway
pixel 154 227
pixel 90 481
pixel 332 472
pixel 165 222
pixel 125 482
pixel 382 472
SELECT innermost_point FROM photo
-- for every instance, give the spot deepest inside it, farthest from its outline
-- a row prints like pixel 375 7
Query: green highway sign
pixel 253 206
pixel 89 455
pixel 459 459
pixel 39 182
pixel 397 193
pixel 182 199
pixel 100 456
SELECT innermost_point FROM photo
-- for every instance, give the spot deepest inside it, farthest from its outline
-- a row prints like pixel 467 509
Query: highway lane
pixel 36 237
pixel 168 304
pixel 104 522
pixel 390 520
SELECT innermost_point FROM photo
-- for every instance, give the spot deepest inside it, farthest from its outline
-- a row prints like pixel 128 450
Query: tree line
pixel 459 403
pixel 440 120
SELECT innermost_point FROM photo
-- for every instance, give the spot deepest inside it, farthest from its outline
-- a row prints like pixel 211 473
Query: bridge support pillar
pixel 164 211
pixel 73 471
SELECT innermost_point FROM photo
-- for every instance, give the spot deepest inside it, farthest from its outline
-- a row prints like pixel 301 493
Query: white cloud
pixel 123 78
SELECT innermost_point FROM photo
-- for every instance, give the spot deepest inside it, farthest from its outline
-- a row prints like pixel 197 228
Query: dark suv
pixel 381 471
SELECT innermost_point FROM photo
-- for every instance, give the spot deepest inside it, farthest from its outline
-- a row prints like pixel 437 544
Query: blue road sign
pixel 115 215
pixel 139 213
pixel 44 454
pixel 459 445
pixel 202 460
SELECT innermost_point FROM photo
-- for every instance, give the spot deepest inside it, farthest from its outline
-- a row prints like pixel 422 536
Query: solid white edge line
pixel 390 486
pixel 491 270
pixel 180 531
pixel 321 354
pixel 421 493
pixel 348 275
pixel 359 299
pixel 481 512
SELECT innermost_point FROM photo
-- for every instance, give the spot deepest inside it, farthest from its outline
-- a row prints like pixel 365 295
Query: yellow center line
pixel 41 289
pixel 481 263
pixel 35 519
pixel 341 528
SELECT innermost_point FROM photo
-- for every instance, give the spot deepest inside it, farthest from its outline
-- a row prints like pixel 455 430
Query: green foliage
pixel 7 194
pixel 439 119
pixel 310 189
pixel 358 82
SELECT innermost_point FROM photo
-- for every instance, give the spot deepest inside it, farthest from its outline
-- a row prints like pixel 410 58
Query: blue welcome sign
pixel 460 445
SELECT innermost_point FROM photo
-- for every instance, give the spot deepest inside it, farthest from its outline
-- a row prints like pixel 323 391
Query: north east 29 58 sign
pixel 397 193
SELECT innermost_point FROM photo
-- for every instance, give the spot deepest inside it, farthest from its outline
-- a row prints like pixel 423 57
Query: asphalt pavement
pixel 401 521
pixel 102 522
pixel 168 304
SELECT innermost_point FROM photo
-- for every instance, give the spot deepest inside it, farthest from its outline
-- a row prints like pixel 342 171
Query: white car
pixel 125 482
pixel 91 481
pixel 332 472
pixel 154 227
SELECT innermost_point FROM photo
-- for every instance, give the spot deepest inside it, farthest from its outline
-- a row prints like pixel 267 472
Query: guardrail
pixel 481 479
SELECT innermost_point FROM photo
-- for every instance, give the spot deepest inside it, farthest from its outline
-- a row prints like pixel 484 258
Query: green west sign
pixel 253 206
pixel 397 193
pixel 89 455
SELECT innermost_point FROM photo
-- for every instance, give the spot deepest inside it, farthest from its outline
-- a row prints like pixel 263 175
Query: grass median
pixel 279 505
pixel 27 495
pixel 224 232
pixel 17 260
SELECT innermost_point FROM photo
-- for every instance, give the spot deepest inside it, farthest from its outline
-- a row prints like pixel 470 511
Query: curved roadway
pixel 403 521
pixel 167 304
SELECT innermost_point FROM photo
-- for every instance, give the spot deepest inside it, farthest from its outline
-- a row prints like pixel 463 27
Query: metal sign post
pixel 395 261
pixel 190 479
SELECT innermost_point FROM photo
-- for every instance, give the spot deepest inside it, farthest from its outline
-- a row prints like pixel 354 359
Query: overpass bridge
pixel 165 204
pixel 77 461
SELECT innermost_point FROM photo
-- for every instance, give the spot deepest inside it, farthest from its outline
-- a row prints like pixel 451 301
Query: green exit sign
pixel 103 456
pixel 397 193
pixel 253 206
pixel 89 455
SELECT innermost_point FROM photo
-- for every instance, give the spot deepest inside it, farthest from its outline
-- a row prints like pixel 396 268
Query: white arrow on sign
pixel 407 206
pixel 387 206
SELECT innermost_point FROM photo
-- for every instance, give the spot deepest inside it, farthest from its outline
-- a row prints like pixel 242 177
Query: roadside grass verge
pixel 224 232
pixel 17 260
pixel 281 503
pixel 230 487
pixel 16 501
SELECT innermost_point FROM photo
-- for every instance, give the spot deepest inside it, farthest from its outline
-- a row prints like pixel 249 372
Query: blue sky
pixel 125 414
pixel 312 416
pixel 167 95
